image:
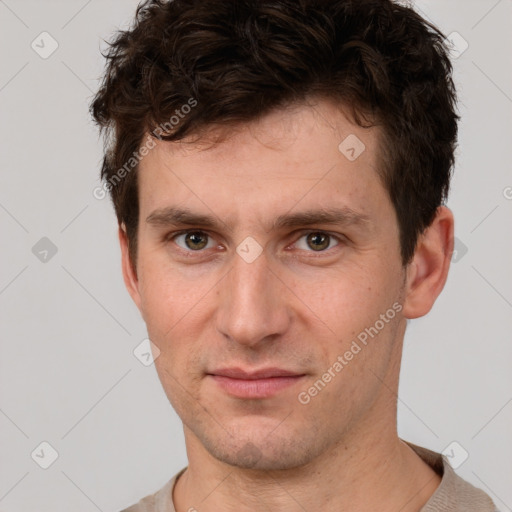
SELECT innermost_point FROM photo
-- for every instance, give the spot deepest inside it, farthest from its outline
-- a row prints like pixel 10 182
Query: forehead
pixel 291 158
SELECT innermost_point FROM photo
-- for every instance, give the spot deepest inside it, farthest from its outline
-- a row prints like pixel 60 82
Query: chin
pixel 262 453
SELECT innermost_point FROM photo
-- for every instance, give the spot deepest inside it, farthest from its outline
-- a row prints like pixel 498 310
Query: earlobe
pixel 129 275
pixel 428 271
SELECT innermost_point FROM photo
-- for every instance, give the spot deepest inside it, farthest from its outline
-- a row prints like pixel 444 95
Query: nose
pixel 253 303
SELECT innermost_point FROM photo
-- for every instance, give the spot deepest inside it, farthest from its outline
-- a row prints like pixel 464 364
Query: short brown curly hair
pixel 240 59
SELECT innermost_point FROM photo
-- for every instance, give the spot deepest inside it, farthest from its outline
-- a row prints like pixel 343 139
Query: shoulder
pixel 454 493
pixel 160 501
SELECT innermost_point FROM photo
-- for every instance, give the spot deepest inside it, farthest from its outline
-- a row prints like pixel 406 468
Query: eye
pixel 194 241
pixel 197 240
pixel 317 241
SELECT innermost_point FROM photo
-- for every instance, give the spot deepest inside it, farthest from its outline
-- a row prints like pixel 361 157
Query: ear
pixel 428 270
pixel 129 274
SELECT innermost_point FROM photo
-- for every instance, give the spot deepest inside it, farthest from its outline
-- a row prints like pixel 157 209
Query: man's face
pixel 211 301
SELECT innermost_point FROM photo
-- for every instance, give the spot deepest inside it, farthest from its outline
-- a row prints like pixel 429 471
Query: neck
pixel 358 473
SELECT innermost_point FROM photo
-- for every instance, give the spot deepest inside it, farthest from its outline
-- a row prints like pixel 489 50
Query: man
pixel 279 170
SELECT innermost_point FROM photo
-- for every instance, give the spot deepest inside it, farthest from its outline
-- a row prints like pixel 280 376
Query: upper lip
pixel 263 373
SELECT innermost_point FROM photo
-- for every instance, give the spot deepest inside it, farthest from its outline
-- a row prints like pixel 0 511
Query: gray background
pixel 68 375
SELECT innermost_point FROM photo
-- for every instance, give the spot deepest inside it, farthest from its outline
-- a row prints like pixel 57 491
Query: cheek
pixel 344 295
pixel 350 304
pixel 169 296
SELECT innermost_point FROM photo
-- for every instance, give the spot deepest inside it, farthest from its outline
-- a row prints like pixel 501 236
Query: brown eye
pixel 196 240
pixel 316 241
pixel 193 240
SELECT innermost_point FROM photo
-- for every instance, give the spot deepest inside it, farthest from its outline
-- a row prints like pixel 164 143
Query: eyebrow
pixel 344 216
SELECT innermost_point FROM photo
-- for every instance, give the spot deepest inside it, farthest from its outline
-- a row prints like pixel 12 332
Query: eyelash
pixel 190 253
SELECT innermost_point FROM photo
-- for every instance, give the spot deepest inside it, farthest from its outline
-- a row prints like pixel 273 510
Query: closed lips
pixel 265 373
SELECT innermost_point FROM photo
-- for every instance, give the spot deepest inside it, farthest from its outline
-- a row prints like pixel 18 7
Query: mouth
pixel 262 383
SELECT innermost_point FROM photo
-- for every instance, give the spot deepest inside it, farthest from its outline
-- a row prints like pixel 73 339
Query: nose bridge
pixel 252 303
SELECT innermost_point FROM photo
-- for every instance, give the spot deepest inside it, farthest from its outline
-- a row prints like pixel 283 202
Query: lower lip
pixel 255 388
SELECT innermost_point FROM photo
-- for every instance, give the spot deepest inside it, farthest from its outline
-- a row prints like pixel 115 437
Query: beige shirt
pixel 453 494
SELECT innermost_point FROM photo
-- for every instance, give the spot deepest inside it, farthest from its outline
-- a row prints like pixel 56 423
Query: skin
pixel 293 307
